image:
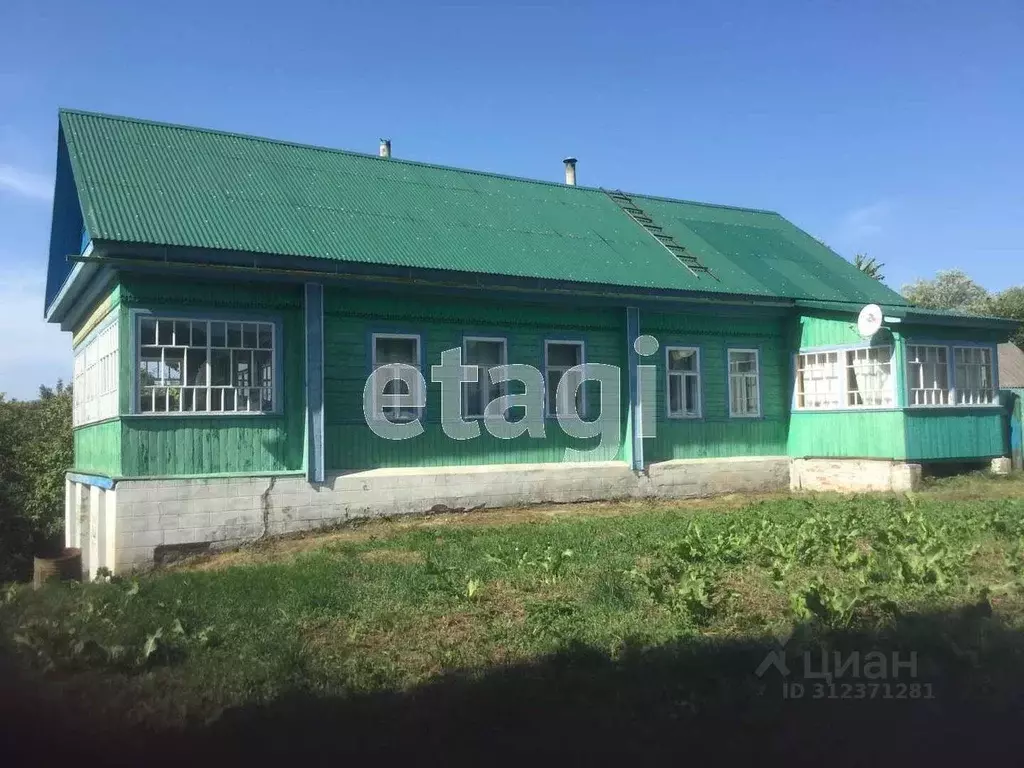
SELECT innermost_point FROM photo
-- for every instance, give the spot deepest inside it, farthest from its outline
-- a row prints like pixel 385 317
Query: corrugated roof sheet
pixel 1011 366
pixel 145 182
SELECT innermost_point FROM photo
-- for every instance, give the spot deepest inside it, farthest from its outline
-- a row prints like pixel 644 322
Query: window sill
pixel 208 415
pixel 963 407
pixel 851 409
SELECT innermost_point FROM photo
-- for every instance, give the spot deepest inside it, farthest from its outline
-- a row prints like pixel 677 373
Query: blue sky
pixel 887 127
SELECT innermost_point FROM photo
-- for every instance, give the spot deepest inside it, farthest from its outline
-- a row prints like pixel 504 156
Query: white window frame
pixel 695 374
pixel 840 397
pixel 378 409
pixel 757 380
pixel 955 392
pixel 851 368
pixel 208 387
pixel 946 393
pixel 843 367
pixel 95 376
pixel 548 368
pixel 482 378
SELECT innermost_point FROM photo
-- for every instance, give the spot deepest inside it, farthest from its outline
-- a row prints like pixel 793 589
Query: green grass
pixel 631 599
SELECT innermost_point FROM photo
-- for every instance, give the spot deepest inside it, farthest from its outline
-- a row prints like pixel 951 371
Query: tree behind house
pixel 951 289
pixel 869 266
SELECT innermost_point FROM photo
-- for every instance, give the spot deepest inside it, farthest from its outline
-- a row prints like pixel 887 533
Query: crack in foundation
pixel 265 502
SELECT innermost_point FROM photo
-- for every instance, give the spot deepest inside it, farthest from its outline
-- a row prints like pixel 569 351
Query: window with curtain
pixel 869 381
pixel 928 374
pixel 484 353
pixel 973 376
pixel 683 372
pixel 205 366
pixel 744 383
pixel 819 382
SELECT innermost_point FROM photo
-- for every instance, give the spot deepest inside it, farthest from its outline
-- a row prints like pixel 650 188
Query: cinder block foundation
pixel 121 528
pixel 853 475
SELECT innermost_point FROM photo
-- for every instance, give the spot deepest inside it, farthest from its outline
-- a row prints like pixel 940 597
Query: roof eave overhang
pixel 907 314
pixel 116 255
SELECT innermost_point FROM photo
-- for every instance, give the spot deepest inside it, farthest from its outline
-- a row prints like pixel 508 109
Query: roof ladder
pixel 637 214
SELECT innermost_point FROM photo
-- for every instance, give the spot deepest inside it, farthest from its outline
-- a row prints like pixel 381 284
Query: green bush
pixel 36 449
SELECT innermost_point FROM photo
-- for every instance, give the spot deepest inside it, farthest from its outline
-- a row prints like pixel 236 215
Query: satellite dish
pixel 869 321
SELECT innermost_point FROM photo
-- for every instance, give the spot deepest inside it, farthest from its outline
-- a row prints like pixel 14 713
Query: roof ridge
pixel 418 163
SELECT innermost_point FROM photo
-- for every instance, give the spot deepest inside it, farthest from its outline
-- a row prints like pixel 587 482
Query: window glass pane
pixel 218 335
pixel 266 335
pixel 396 387
pixel 174 365
pixel 249 333
pixel 196 371
pixel 165 332
pixel 392 350
pixel 188 401
pixel 220 367
pixel 471 405
pixel 159 399
pixel 485 353
pixel 551 390
pixel 234 334
pixel 751 394
pixel 682 359
pixel 263 368
pixel 267 403
pixel 200 399
pixel 242 367
pixel 242 399
pixel 147 331
pixel 149 368
pixel 182 333
pixel 216 400
pixel 691 395
pixel 199 334
pixel 146 401
pixel 566 355
pixel 229 399
pixel 675 394
pixel 174 399
pixel 742 362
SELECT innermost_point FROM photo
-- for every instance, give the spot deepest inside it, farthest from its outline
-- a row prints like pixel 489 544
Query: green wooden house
pixel 230 296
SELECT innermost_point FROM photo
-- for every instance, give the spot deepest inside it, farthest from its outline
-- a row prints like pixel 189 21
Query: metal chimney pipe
pixel 385 147
pixel 570 171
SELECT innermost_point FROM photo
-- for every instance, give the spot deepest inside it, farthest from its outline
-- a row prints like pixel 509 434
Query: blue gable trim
pixel 66 225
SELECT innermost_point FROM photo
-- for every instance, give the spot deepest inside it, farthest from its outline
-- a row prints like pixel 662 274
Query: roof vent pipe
pixel 570 171
pixel 385 147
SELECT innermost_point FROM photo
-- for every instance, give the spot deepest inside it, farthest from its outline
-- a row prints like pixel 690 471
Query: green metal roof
pixel 153 183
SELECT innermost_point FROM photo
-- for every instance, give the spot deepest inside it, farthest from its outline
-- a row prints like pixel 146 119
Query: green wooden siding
pixel 854 434
pixel 203 445
pixel 716 434
pixel 951 333
pixel 938 434
pixel 351 319
pixel 828 331
pixel 98 448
